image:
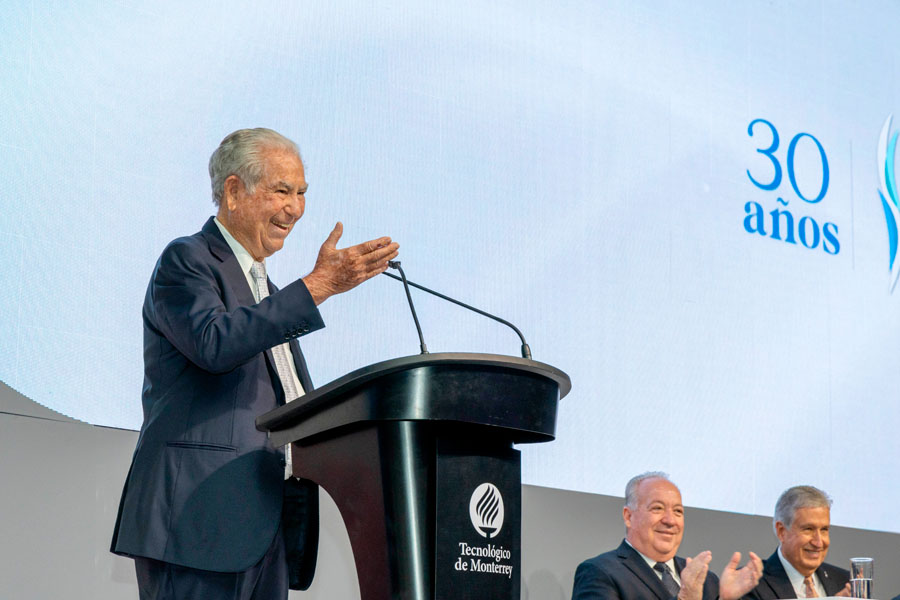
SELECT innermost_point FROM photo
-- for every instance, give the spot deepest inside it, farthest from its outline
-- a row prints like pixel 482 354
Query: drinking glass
pixel 861 571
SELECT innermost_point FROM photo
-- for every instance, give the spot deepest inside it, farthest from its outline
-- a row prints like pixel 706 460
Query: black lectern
pixel 417 454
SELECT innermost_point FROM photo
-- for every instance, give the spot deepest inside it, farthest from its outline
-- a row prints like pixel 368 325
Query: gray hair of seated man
pixel 795 498
pixel 633 483
pixel 241 154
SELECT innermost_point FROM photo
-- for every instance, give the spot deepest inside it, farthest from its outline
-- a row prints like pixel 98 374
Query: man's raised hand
pixel 339 270
pixel 693 576
pixel 735 583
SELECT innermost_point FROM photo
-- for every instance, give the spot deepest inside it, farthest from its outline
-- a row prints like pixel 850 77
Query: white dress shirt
pixel 796 578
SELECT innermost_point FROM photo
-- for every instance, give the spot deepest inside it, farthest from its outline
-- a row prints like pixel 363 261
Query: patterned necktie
pixel 282 355
pixel 281 352
pixel 810 587
pixel 672 588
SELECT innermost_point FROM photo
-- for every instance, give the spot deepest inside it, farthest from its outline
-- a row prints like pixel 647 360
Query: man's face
pixel 262 220
pixel 655 525
pixel 805 543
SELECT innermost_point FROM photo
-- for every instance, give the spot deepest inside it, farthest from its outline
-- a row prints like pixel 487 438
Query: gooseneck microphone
pixel 395 264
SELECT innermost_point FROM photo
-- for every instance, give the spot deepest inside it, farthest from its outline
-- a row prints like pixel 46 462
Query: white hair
pixel 795 498
pixel 633 483
pixel 240 153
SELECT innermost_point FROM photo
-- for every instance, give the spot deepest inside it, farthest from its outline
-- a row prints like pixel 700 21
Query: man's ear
pixel 232 187
pixel 626 516
pixel 780 530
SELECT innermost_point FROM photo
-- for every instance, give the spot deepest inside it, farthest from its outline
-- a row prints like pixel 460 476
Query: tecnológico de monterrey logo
pixel 888 193
pixel 486 510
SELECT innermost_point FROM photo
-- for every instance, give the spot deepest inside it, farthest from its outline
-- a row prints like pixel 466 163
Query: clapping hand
pixel 693 576
pixel 734 582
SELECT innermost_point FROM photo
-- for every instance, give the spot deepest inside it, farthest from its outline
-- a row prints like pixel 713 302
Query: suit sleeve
pixel 752 594
pixel 711 587
pixel 593 583
pixel 185 303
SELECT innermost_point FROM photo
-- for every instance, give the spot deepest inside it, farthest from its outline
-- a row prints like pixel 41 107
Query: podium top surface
pixel 510 393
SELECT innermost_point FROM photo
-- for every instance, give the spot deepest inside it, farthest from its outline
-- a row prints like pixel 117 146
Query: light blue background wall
pixel 580 168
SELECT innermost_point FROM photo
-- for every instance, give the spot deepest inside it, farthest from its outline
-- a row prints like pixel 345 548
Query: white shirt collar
pixel 796 578
pixel 240 253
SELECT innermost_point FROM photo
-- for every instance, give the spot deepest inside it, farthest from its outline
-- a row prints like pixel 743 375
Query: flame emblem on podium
pixel 486 510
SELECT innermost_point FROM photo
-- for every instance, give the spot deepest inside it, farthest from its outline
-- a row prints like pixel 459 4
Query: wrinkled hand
pixel 844 593
pixel 338 271
pixel 734 582
pixel 693 576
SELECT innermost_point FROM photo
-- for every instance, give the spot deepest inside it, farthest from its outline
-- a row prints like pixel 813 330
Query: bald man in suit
pixel 645 565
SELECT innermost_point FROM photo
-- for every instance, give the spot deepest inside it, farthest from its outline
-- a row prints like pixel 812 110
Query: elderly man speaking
pixel 644 566
pixel 209 509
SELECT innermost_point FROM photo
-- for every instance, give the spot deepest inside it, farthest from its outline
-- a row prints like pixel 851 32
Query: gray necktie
pixel 672 588
pixel 281 353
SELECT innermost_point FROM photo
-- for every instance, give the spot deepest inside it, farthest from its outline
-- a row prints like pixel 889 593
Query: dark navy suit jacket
pixel 205 489
pixel 624 575
pixel 774 582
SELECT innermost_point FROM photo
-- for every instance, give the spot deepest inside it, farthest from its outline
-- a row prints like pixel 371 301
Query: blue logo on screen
pixel 781 223
pixel 888 193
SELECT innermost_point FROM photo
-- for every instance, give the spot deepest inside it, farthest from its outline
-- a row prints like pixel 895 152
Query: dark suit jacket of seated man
pixel 802 523
pixel 644 566
pixel 623 573
pixel 206 502
pixel 775 583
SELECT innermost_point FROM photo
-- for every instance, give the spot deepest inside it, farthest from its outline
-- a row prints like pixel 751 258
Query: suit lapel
pixel 637 565
pixel 302 370
pixel 679 565
pixel 237 282
pixel 296 354
pixel 231 268
pixel 776 577
pixel 831 586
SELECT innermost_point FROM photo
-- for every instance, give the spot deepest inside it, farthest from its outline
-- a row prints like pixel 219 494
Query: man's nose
pixel 295 207
pixel 817 539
